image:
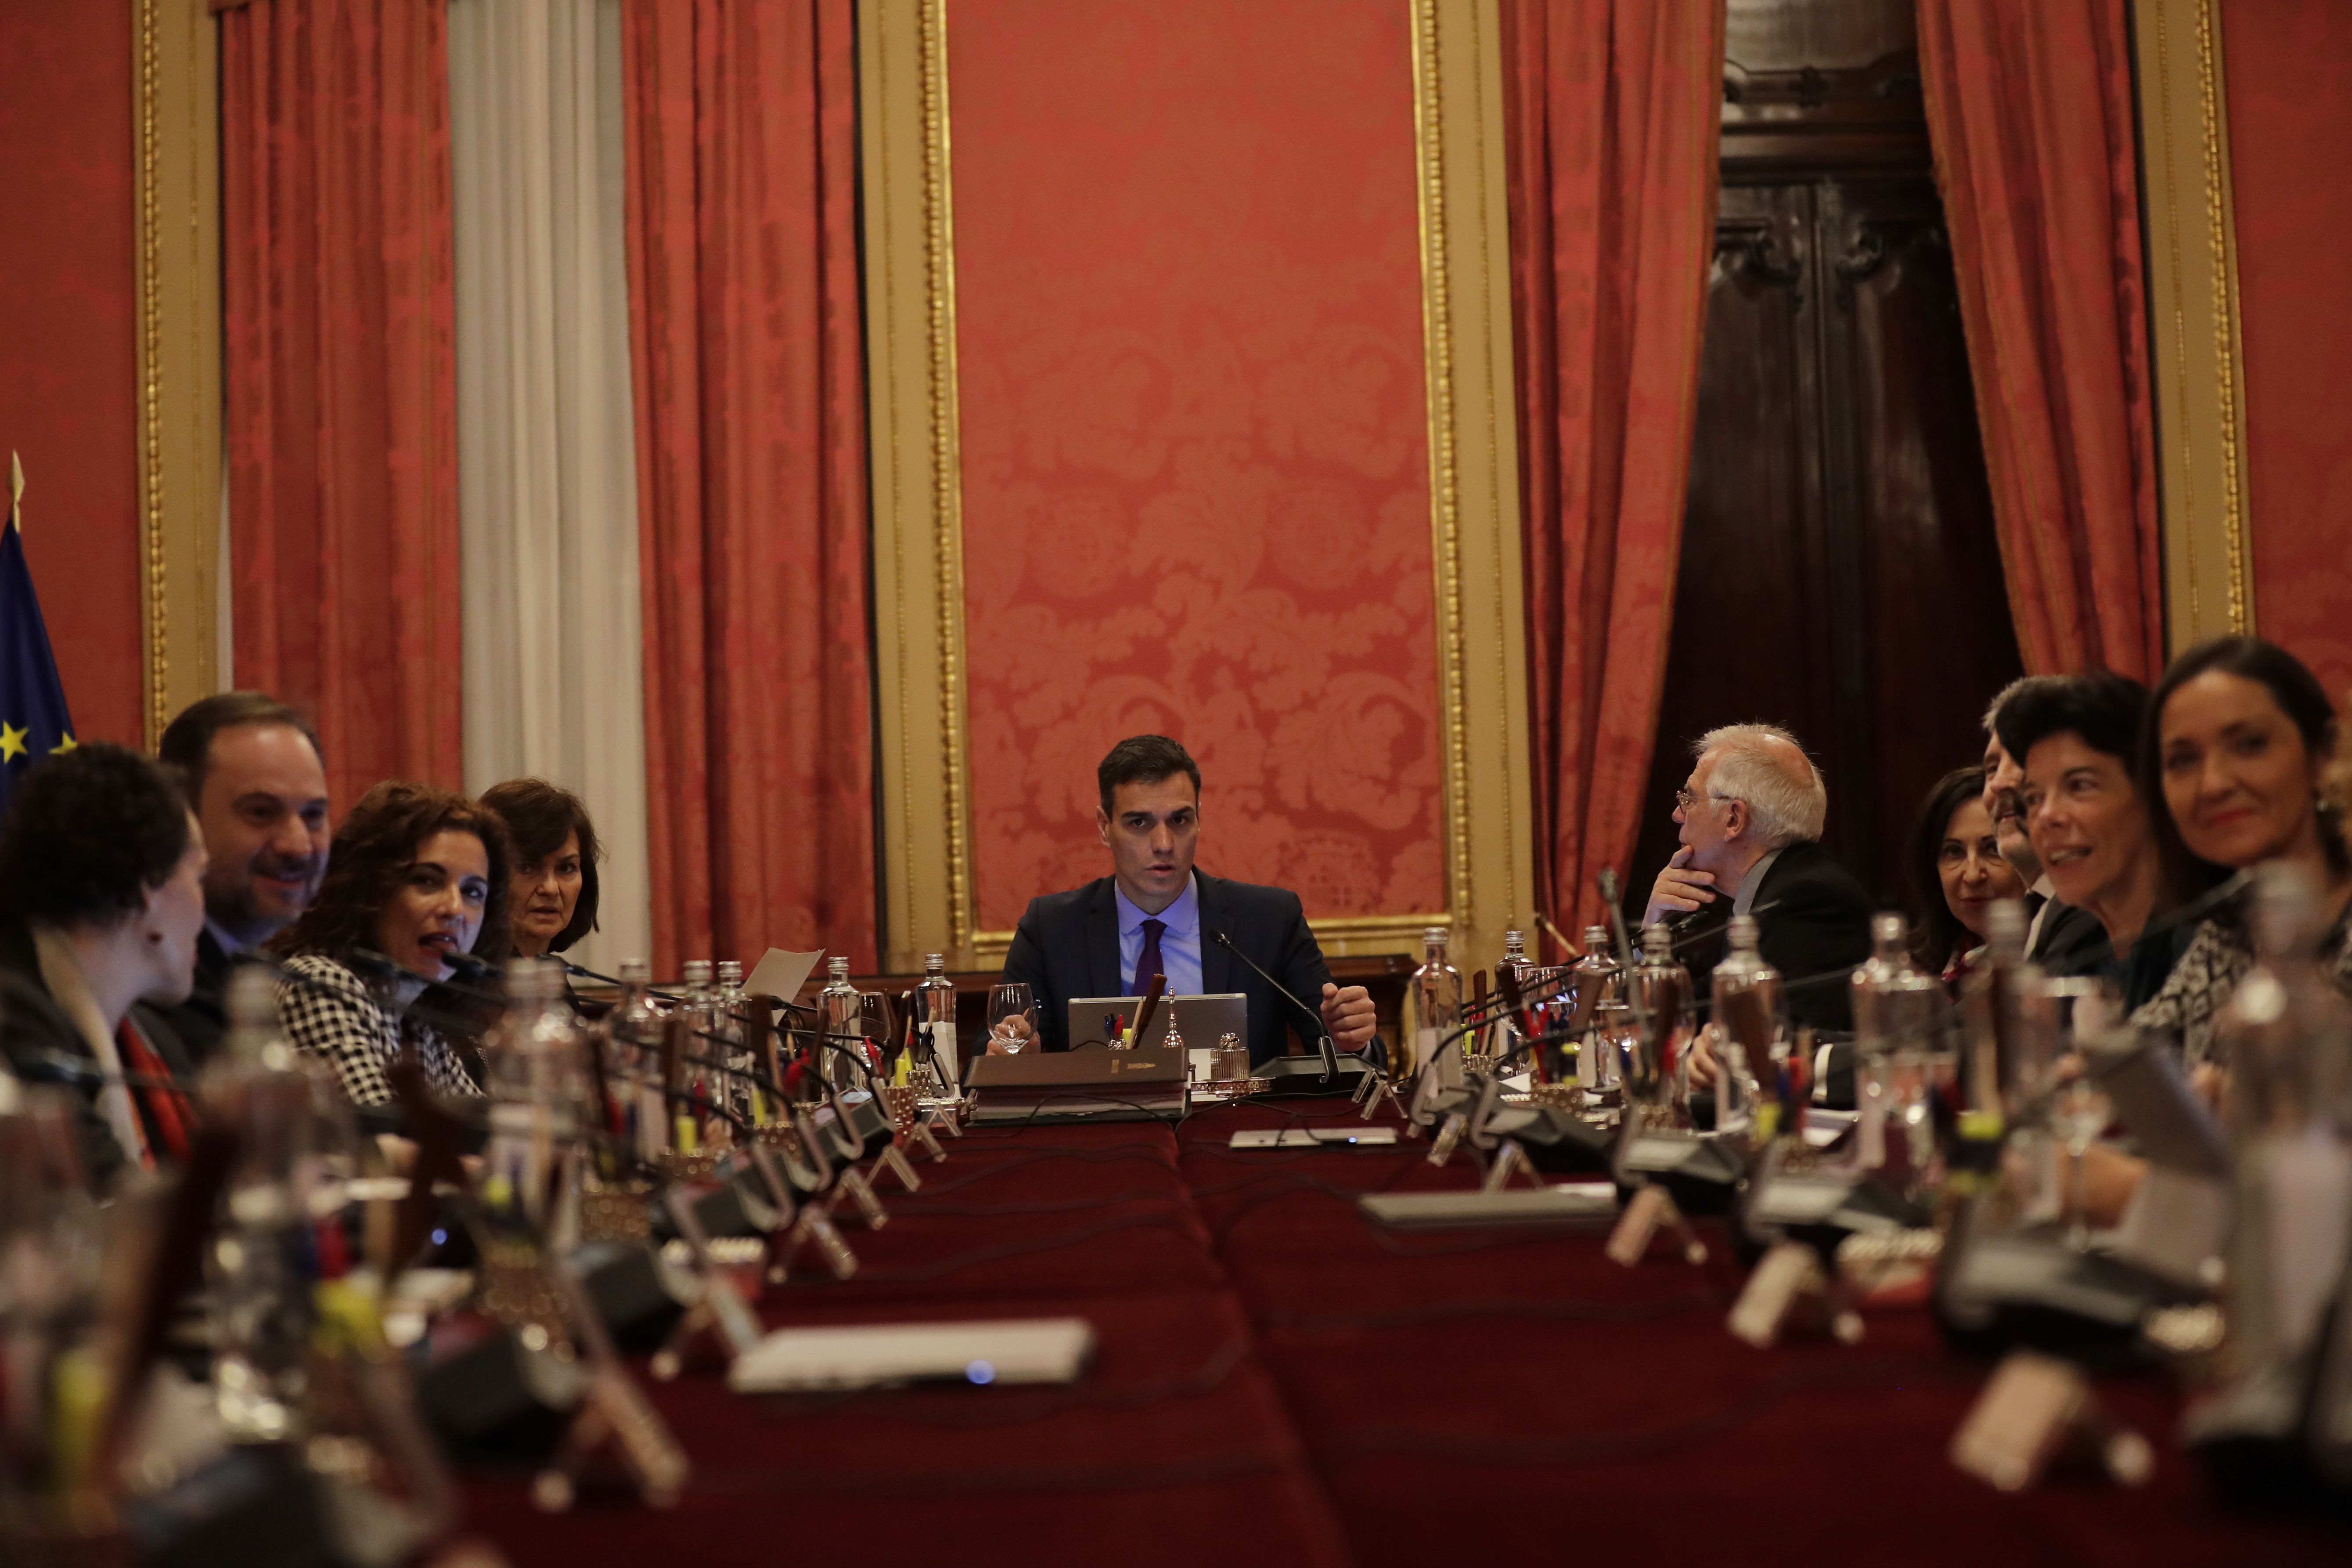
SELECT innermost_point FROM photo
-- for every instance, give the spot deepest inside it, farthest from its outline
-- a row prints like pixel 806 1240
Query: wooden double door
pixel 1839 570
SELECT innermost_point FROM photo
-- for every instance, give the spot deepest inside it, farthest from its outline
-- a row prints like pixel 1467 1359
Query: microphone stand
pixel 1328 1071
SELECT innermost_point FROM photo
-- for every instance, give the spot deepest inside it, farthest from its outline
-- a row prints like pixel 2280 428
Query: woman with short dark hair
pixel 552 895
pixel 416 876
pixel 101 901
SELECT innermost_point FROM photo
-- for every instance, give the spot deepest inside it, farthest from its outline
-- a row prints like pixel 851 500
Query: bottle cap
pixel 637 969
pixel 934 962
pixel 1433 934
pixel 698 971
pixel 252 998
pixel 534 980
pixel 1889 928
pixel 730 972
pixel 1743 933
pixel 2286 910
pixel 1657 941
pixel 2005 925
pixel 1596 939
pixel 836 968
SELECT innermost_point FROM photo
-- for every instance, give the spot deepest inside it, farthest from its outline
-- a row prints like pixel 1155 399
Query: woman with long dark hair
pixel 416 876
pixel 2237 751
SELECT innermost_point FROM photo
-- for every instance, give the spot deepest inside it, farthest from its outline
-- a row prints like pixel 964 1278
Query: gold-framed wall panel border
pixel 917 469
pixel 2196 358
pixel 1457 76
pixel 176 144
pixel 908 170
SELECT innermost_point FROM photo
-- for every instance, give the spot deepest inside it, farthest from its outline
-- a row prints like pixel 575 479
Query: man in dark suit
pixel 250 765
pixel 1752 816
pixel 1155 914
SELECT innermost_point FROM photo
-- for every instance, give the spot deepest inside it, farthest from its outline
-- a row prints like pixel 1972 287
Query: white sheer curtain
pixel 546 444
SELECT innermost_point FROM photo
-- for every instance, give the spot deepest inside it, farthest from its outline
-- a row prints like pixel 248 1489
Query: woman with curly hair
pixel 101 901
pixel 415 877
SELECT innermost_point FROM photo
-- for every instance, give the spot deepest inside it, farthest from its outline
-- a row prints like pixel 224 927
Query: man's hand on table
pixel 1349 1015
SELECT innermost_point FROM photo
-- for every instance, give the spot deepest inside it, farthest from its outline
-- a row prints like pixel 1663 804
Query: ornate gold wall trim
pixel 910 216
pixel 1457 76
pixel 2197 359
pixel 175 140
pixel 908 171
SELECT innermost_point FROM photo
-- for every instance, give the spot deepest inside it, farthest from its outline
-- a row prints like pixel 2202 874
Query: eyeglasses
pixel 1684 799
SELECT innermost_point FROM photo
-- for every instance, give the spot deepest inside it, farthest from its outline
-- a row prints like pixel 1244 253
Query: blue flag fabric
pixel 33 718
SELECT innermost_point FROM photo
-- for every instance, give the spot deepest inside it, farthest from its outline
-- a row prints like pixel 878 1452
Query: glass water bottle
pixel 938 1071
pixel 1896 1006
pixel 261 1264
pixel 841 1017
pixel 1745 998
pixel 1661 990
pixel 1433 1007
pixel 1598 981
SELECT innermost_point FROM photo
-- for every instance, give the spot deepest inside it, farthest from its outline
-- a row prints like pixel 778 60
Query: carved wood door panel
pixel 1839 572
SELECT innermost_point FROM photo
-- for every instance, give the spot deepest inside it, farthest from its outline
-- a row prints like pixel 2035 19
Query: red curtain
pixel 2030 105
pixel 1612 112
pixel 341 372
pixel 743 310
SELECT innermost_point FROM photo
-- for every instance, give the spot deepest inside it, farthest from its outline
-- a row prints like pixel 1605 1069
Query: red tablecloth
pixel 1280 1382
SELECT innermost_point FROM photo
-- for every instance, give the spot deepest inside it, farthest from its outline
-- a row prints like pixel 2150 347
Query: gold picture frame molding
pixel 176 146
pixel 2197 358
pixel 908 169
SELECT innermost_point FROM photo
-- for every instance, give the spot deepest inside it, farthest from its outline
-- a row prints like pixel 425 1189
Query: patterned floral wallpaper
pixel 1195 469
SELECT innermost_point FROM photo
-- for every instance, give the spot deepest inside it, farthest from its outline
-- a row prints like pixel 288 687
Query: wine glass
pixel 2080 1111
pixel 1011 1019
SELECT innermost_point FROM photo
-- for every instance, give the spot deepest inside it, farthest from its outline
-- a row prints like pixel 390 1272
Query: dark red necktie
pixel 1148 962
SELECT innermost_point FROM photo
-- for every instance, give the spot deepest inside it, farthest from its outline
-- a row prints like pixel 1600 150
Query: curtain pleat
pixel 341 380
pixel 2030 107
pixel 546 455
pixel 744 322
pixel 1611 110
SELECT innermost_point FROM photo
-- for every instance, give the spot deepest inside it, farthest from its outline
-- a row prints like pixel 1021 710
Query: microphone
pixel 1323 1035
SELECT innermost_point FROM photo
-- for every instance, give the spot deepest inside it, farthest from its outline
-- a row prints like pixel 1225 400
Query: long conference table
pixel 1279 1381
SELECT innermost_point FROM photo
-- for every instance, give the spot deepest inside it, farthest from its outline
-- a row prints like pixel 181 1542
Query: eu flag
pixel 33 719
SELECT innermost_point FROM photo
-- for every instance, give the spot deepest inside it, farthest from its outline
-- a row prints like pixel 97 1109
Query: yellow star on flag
pixel 12 741
pixel 64 745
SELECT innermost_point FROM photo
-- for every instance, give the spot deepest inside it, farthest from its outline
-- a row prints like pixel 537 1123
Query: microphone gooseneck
pixel 1323 1043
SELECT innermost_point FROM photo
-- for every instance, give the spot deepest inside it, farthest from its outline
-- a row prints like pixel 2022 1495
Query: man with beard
pixel 2062 939
pixel 251 768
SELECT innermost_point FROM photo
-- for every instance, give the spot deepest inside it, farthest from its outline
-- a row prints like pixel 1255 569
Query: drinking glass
pixel 2080 1111
pixel 1012 1019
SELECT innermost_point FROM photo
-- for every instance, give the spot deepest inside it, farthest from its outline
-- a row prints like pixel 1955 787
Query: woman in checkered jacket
pixel 415 876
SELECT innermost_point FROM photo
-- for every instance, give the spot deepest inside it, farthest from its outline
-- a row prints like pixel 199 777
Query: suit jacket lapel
pixel 1217 915
pixel 1102 939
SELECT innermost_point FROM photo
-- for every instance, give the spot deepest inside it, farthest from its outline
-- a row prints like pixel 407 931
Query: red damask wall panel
pixel 1195 455
pixel 2289 94
pixel 68 396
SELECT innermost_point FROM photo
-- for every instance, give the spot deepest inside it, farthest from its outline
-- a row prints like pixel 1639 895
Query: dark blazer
pixel 203 1018
pixel 35 1031
pixel 1067 946
pixel 2071 941
pixel 1812 920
